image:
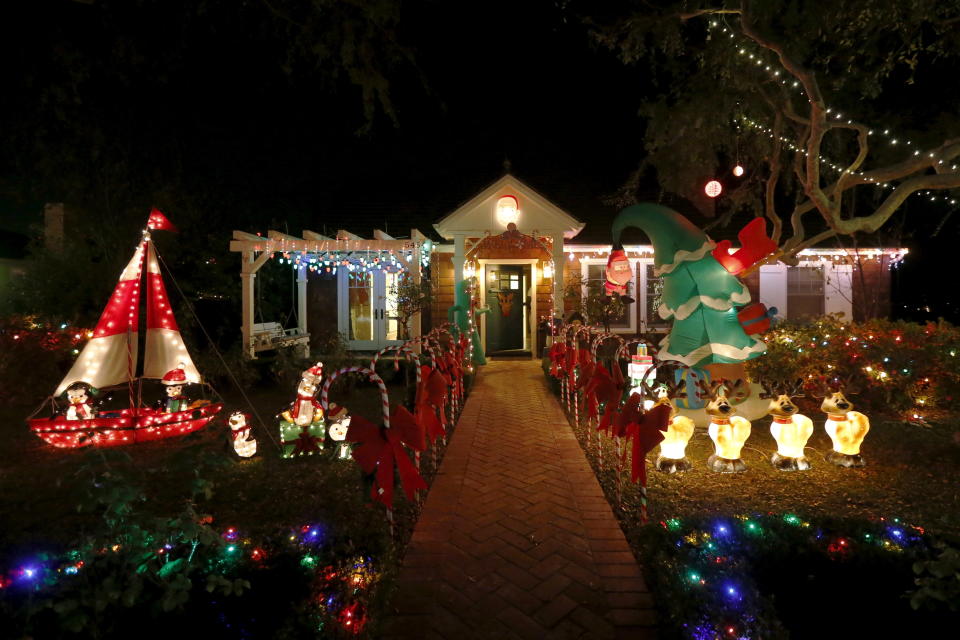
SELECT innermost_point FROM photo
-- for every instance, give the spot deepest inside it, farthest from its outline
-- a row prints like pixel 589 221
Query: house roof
pixel 478 215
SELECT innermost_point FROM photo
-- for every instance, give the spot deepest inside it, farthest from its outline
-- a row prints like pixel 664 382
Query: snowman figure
pixel 243 445
pixel 81 404
pixel 302 426
pixel 337 430
pixel 175 380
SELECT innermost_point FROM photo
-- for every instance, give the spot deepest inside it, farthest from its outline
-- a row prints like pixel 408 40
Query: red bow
pixel 601 389
pixel 647 430
pixel 431 397
pixel 557 359
pixel 381 450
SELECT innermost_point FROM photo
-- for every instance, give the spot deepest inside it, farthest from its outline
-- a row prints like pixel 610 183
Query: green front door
pixel 506 297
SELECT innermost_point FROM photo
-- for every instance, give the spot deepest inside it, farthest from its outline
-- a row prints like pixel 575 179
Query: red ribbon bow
pixel 381 450
pixel 431 398
pixel 647 431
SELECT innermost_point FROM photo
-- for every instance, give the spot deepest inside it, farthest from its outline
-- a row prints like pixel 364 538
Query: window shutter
pixel 773 287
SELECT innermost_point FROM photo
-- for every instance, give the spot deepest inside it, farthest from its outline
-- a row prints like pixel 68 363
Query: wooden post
pixel 247 276
pixel 302 309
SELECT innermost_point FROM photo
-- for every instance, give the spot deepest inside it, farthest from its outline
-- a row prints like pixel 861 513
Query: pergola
pixel 315 252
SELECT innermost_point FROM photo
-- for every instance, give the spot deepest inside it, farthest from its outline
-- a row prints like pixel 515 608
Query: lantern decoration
pixel 790 429
pixel 547 270
pixel 339 423
pixel 713 189
pixel 508 210
pixel 243 445
pixel 81 403
pixel 738 171
pixel 846 429
pixel 699 294
pixel 302 427
pixel 728 432
pixel 755 246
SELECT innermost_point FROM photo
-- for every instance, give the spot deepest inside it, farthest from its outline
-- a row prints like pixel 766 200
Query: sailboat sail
pixel 110 357
pixel 164 347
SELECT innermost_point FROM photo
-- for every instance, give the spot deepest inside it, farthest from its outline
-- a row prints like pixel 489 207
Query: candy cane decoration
pixel 373 377
pixel 603 337
pixel 408 354
pixel 385 402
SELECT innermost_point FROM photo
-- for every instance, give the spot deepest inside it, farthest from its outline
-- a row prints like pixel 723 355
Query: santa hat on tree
pixel 175 376
pixel 314 373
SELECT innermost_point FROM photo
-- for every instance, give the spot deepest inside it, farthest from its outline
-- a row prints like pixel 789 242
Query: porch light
pixel 469 270
pixel 508 210
pixel 547 271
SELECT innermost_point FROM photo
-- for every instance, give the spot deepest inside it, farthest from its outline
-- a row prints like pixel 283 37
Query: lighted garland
pixel 340 587
pixel 705 566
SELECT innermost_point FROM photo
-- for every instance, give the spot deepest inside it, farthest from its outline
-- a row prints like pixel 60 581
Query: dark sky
pixel 193 105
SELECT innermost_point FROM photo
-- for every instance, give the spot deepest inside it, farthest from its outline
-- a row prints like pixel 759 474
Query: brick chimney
pixel 53 226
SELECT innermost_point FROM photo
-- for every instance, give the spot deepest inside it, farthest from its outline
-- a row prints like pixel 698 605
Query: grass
pixel 41 487
pixel 911 474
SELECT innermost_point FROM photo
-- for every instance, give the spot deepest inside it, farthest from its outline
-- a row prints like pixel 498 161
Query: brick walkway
pixel 516 538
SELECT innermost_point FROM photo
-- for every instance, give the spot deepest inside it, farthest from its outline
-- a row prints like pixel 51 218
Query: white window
pixel 367 309
pixel 804 293
pixel 807 291
pixel 643 288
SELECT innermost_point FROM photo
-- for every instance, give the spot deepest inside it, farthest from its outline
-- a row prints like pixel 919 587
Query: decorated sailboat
pixel 109 361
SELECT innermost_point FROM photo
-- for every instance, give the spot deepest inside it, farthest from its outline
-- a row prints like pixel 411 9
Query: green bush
pixel 895 365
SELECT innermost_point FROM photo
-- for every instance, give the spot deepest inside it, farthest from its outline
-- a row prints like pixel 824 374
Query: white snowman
pixel 243 444
pixel 337 429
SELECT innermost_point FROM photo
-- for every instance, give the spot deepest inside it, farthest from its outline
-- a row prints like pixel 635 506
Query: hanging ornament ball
pixel 713 189
pixel 738 171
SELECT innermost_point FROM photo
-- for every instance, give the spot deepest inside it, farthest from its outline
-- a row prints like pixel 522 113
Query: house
pixel 524 251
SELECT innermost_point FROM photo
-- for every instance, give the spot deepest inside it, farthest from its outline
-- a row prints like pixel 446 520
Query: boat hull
pixel 122 427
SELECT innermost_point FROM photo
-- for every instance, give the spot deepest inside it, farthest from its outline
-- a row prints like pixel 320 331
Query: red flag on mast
pixel 158 222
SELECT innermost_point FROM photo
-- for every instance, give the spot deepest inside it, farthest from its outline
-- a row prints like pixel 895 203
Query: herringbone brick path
pixel 516 539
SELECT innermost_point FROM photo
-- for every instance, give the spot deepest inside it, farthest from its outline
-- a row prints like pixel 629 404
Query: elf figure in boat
pixel 175 380
pixel 81 404
pixel 301 426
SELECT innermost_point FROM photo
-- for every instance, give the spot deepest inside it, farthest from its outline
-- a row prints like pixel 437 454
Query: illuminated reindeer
pixel 728 432
pixel 845 427
pixel 673 454
pixel 790 429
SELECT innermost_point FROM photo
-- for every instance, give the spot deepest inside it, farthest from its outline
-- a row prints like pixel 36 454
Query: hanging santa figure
pixel 243 445
pixel 337 430
pixel 301 426
pixel 81 403
pixel 175 380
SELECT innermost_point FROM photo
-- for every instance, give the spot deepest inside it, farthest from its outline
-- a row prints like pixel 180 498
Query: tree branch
pixel 887 208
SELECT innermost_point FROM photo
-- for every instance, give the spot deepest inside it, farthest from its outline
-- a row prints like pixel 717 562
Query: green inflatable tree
pixel 699 294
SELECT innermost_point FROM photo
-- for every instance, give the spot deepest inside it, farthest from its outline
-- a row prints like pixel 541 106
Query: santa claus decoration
pixel 243 445
pixel 339 423
pixel 175 380
pixel 81 403
pixel 302 427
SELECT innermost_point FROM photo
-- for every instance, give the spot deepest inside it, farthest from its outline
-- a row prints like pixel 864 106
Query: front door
pixel 507 299
pixel 367 309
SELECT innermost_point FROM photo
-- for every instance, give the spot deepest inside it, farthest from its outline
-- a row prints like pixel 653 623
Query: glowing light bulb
pixel 738 171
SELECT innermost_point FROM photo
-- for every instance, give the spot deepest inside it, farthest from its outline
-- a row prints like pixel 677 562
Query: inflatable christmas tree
pixel 699 294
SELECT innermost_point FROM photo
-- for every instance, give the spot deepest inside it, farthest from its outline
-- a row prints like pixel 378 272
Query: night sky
pixel 197 103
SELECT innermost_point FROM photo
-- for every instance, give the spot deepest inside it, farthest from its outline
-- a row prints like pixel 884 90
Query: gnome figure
pixel 175 380
pixel 243 445
pixel 302 427
pixel 81 404
pixel 337 430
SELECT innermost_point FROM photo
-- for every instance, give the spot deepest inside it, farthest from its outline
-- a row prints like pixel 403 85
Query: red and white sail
pixel 110 357
pixel 164 348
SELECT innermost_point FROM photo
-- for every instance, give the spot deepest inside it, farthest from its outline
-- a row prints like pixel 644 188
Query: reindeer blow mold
pixel 790 429
pixel 728 432
pixel 846 428
pixel 673 448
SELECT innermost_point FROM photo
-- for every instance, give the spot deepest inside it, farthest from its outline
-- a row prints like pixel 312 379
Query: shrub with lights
pixel 899 366
pixel 714 574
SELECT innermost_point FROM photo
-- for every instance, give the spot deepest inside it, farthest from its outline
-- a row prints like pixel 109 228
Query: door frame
pixel 378 302
pixel 530 335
